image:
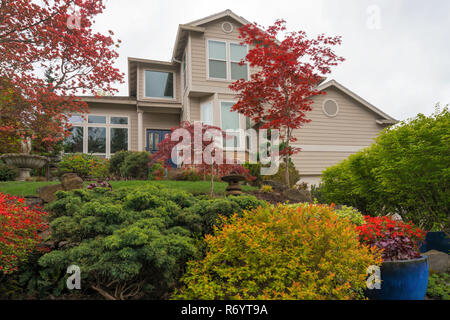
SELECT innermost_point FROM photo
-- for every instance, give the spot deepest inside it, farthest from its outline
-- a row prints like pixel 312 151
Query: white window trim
pixel 85 125
pixel 241 146
pixel 174 85
pixel 325 112
pixel 227 61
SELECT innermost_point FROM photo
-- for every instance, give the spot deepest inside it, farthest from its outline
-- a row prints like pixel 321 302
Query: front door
pixel 154 137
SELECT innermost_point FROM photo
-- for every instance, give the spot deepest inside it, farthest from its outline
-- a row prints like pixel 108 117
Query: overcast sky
pixel 397 51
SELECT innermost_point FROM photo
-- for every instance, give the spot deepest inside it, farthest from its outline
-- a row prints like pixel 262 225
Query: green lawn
pixel 24 188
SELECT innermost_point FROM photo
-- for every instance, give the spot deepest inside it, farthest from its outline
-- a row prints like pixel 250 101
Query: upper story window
pixel 224 58
pixel 217 54
pixel 159 84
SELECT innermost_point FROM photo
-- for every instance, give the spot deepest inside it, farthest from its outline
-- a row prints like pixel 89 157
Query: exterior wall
pixel 141 82
pixel 328 140
pixel 198 50
pixel 119 110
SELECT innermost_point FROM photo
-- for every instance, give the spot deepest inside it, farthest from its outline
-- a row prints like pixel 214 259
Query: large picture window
pixel 97 134
pixel 159 84
pixel 224 58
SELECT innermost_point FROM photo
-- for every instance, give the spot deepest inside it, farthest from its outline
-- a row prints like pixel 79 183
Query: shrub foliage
pixel 406 171
pixel 84 165
pixel 281 253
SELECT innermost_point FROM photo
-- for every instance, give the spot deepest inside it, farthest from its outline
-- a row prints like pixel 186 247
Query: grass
pixel 25 188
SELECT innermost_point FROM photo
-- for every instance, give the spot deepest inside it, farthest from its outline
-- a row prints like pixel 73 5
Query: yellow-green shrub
pixel 281 253
pixel 266 188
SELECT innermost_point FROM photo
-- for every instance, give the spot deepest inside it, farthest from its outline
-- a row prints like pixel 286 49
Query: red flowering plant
pixel 397 240
pixel 20 231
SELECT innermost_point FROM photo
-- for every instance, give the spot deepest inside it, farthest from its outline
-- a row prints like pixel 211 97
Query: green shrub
pixel 255 171
pixel 439 286
pixel 156 171
pixel 116 161
pixel 7 173
pixel 266 188
pixel 135 166
pixel 188 174
pixel 294 175
pixel 405 171
pixel 135 238
pixel 352 214
pixel 210 210
pixel 84 165
pixel 281 253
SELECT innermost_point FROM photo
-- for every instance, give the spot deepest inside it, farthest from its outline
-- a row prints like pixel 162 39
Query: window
pixel 74 144
pixel 230 121
pixel 159 84
pixel 206 113
pixel 330 108
pixel 119 139
pixel 99 135
pixel 217 55
pixel 238 53
pixel 224 58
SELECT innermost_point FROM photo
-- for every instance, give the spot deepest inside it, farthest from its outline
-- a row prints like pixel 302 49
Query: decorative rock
pixel 70 181
pixel 438 261
pixel 395 217
pixel 47 193
pixel 276 185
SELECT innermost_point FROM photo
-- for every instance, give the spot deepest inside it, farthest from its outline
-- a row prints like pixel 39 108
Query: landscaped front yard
pixel 25 188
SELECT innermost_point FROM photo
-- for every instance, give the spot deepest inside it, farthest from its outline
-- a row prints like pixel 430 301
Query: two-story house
pixel 193 86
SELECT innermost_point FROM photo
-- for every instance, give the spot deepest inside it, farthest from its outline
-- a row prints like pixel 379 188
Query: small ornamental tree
pixel 279 93
pixel 49 55
pixel 195 151
pixel 19 231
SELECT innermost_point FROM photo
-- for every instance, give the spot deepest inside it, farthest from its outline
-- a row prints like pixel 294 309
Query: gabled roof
pixel 219 15
pixel 385 118
pixel 195 26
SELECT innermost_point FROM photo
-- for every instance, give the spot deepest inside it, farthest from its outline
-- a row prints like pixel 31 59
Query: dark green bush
pixel 210 210
pixel 7 173
pixel 294 175
pixel 255 171
pixel 439 286
pixel 405 171
pixel 116 161
pixel 135 166
pixel 136 238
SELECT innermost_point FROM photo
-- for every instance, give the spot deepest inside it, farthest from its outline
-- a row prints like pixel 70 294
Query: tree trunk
pixel 286 160
pixel 212 181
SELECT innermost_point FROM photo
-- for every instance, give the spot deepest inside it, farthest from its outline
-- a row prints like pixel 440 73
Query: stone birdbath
pixel 24 161
pixel 234 186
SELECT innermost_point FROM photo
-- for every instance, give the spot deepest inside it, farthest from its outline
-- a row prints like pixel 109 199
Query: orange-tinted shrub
pixel 281 253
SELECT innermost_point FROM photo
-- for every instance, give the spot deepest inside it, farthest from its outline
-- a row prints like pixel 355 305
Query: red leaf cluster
pixel 398 240
pixel 20 228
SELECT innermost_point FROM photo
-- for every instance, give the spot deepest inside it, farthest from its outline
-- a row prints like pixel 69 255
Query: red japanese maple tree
pixel 193 154
pixel 287 73
pixel 49 55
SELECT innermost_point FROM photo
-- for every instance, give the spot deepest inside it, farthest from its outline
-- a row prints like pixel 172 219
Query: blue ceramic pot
pixel 402 280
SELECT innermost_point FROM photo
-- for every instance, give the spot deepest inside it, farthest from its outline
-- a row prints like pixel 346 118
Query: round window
pixel 227 27
pixel 330 108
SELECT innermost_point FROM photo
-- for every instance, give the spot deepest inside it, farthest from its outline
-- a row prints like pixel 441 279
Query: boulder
pixel 438 261
pixel 279 186
pixel 70 181
pixel 295 195
pixel 47 193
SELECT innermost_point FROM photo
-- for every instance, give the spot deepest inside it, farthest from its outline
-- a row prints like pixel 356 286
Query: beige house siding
pixel 328 140
pixel 161 121
pixel 199 54
pixel 141 82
